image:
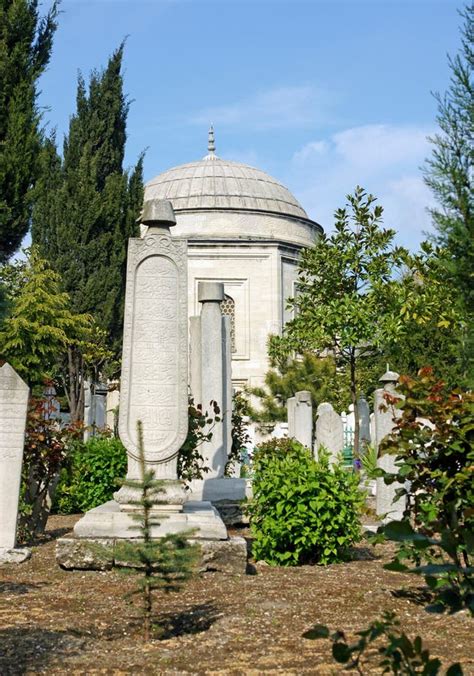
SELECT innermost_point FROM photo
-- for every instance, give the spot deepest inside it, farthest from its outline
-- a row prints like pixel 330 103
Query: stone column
pixel 13 409
pixel 155 351
pixel 228 391
pixel 384 424
pixel 304 418
pixel 329 431
pixel 195 374
pixel 210 295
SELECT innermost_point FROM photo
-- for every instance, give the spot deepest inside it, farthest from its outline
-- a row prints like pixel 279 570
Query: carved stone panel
pixel 155 353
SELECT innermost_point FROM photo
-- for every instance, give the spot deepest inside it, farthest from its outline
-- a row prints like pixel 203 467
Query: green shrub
pixel 89 478
pixel 303 510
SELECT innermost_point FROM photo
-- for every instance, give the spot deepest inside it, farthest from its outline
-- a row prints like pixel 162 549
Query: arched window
pixel 228 309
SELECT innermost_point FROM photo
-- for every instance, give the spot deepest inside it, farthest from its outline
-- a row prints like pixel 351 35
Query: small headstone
pixel 329 431
pixel 386 504
pixel 290 408
pixel 304 418
pixel 364 421
pixel 13 410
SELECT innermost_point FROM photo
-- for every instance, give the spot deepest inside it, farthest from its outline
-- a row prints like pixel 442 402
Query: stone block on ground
pixel 16 555
pixel 80 554
pixel 224 556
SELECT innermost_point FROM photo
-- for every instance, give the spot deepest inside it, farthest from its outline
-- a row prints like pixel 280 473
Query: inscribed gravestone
pixel 329 430
pixel 13 410
pixel 155 349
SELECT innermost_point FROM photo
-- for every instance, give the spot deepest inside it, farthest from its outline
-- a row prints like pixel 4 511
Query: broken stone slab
pixel 16 555
pixel 79 554
pixel 224 556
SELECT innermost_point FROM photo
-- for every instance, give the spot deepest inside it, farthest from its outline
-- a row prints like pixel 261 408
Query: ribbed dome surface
pixel 213 183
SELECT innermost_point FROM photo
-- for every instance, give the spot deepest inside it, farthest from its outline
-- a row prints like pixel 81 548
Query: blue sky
pixel 320 94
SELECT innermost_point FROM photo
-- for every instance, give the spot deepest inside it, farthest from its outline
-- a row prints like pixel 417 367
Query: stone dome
pixel 217 184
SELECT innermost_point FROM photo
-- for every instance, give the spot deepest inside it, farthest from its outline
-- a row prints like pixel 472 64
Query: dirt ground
pixel 58 622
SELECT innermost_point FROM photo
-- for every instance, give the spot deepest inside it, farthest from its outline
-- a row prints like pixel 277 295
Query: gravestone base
pixel 227 495
pixel 16 555
pixel 111 520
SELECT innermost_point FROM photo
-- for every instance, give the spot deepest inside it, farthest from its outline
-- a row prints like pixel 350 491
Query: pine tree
pixel 40 325
pixel 25 49
pixel 165 562
pixel 450 174
pixel 87 205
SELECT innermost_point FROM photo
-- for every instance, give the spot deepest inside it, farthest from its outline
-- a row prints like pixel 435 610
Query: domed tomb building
pixel 244 229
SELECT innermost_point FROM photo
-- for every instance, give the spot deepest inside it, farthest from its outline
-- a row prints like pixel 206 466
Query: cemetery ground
pixel 55 621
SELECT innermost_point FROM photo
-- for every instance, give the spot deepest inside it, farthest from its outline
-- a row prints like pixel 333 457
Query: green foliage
pixel 25 49
pixel 89 476
pixel 289 375
pixel 40 325
pixel 86 205
pixel 428 327
pixel 165 562
pixel 200 425
pixel 47 444
pixel 240 436
pixel 434 444
pixel 344 280
pixel 303 510
pixel 369 461
pixel 450 170
pixel 398 654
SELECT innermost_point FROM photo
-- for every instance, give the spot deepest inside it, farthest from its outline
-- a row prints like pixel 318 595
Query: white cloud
pixel 282 107
pixel 384 159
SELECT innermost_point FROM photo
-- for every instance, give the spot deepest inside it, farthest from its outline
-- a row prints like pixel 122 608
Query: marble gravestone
pixel 154 385
pixel 364 421
pixel 303 417
pixel 387 505
pixel 211 380
pixel 13 409
pixel 329 431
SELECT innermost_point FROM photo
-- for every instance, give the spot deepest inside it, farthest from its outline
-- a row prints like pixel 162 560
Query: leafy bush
pixel 191 463
pixel 434 444
pixel 303 510
pixel 398 654
pixel 47 444
pixel 89 479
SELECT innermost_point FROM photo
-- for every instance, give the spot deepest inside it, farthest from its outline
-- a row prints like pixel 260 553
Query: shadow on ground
pixel 20 587
pixel 421 596
pixel 193 620
pixel 24 648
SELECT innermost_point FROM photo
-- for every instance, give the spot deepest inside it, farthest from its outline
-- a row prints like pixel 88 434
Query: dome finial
pixel 211 145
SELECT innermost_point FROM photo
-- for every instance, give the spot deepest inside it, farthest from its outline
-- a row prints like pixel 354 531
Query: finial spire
pixel 211 145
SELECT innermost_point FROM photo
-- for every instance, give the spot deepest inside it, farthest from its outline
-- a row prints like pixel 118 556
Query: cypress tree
pixel 87 205
pixel 25 49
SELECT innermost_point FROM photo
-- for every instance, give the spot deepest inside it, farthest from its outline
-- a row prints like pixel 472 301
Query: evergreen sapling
pixel 165 562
